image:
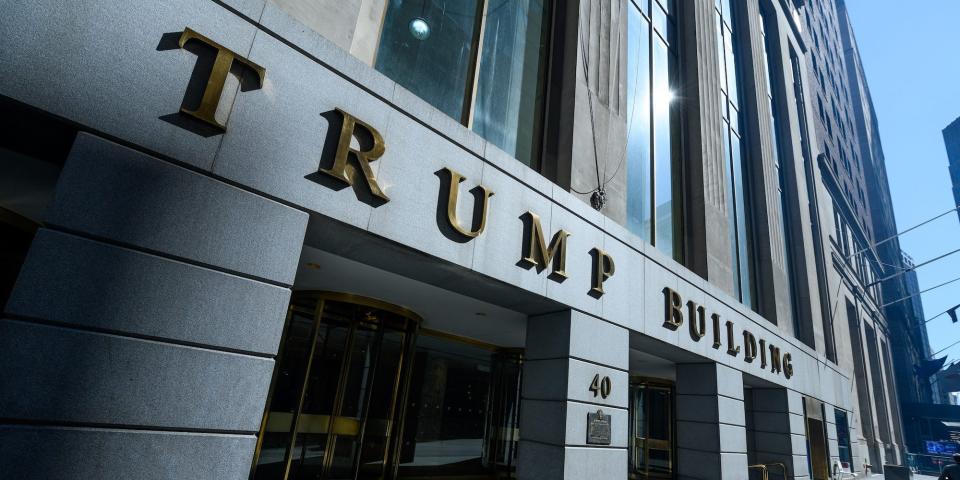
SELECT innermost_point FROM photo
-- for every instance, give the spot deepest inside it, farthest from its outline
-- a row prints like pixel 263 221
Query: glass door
pixel 651 428
pixel 462 417
pixel 340 383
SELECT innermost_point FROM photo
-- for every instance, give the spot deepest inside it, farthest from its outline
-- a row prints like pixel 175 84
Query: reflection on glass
pixel 769 44
pixel 336 392
pixel 744 247
pixel 437 67
pixel 492 81
pixel 638 125
pixel 651 429
pixel 510 84
pixel 731 63
pixel 653 125
pixel 663 149
pixel 735 184
pixel 843 436
pixel 462 404
pixel 721 61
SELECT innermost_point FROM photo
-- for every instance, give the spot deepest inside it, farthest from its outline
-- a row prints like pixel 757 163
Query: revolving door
pixel 338 391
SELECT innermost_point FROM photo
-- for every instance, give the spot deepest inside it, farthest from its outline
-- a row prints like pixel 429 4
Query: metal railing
pixel 928 464
pixel 764 470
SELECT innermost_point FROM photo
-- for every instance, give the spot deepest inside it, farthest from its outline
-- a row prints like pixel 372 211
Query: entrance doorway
pixel 818 456
pixel 363 391
pixel 651 428
pixel 337 389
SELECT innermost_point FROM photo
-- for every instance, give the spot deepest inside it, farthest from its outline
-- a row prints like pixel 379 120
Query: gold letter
pixel 218 78
pixel 775 359
pixel 749 346
pixel 538 254
pixel 763 353
pixel 730 345
pixel 455 179
pixel 787 366
pixel 673 315
pixel 698 320
pixel 716 330
pixel 604 268
pixel 345 172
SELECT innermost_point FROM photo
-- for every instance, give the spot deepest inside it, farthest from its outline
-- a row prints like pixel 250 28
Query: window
pixel 741 242
pixel 482 62
pixel 843 437
pixel 653 199
pixel 779 157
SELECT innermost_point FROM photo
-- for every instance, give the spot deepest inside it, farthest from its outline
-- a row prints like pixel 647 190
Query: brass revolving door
pixel 338 390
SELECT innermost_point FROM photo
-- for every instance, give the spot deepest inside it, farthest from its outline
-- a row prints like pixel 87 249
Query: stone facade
pixel 140 338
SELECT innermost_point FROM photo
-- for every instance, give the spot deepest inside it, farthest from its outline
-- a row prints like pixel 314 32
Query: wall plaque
pixel 598 428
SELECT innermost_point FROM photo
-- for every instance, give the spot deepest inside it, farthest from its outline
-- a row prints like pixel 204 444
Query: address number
pixel 600 386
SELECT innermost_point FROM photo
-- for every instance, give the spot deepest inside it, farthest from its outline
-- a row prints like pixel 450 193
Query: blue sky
pixel 911 54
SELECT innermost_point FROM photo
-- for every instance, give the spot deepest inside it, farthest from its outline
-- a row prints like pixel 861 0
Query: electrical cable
pixel 944 348
pixel 905 270
pixel 939 314
pixel 920 292
pixel 593 128
pixel 869 247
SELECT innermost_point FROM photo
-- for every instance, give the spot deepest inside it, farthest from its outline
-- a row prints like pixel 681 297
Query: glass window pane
pixel 727 9
pixel 638 125
pixel 425 46
pixel 731 213
pixel 663 97
pixel 744 243
pixel 510 86
pixel 731 66
pixel 660 23
pixel 721 57
pixel 446 409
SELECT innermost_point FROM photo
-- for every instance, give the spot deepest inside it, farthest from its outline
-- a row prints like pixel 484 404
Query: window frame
pixel 470 88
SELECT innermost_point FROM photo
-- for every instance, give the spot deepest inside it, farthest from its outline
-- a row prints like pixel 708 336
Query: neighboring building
pixel 278 239
pixel 915 373
pixel 951 138
pixel 949 379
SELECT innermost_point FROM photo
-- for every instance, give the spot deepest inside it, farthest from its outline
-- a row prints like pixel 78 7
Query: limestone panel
pixel 62 375
pixel 110 191
pixel 56 453
pixel 110 288
pixel 114 66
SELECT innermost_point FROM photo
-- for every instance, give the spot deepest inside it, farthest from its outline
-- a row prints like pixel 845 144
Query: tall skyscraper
pixel 951 138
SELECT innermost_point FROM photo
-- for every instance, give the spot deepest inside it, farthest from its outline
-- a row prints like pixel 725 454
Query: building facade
pixel 278 239
pixel 951 138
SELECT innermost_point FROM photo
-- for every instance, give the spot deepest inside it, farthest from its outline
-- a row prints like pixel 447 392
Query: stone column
pixel 711 427
pixel 779 434
pixel 139 339
pixel 565 352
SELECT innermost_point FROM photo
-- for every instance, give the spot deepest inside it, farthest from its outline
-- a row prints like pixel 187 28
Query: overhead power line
pixel 908 297
pixel 910 269
pixel 881 242
pixel 944 348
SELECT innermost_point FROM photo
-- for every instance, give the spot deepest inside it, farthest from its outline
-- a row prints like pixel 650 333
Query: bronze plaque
pixel 598 428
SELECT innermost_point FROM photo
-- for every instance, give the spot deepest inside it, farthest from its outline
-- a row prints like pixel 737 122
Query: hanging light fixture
pixel 419 28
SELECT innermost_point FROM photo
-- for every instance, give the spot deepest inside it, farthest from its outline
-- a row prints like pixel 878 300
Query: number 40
pixel 600 386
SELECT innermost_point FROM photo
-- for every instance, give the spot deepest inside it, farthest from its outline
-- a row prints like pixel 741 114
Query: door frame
pixel 659 383
pixel 410 327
